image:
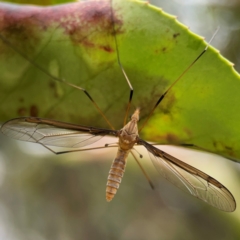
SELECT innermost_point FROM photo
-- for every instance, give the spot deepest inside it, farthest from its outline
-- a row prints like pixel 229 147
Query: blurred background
pixel 204 16
pixel 43 196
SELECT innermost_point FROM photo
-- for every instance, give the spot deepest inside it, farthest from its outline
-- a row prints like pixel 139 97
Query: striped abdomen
pixel 116 173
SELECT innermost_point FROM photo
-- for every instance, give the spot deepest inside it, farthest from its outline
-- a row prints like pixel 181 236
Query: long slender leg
pixel 77 150
pixel 144 172
pixel 174 83
pixel 8 43
pixel 121 67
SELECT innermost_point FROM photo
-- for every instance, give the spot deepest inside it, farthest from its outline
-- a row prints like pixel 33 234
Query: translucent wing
pixel 53 133
pixel 190 179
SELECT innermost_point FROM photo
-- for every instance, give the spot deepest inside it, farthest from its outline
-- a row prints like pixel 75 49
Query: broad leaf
pixel 76 42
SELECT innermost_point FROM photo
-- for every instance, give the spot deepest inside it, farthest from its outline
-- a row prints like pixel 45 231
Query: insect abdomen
pixel 115 174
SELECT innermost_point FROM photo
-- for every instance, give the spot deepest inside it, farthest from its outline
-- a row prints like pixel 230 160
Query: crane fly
pixel 51 133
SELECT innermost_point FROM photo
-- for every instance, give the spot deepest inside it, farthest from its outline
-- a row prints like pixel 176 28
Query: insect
pixel 51 133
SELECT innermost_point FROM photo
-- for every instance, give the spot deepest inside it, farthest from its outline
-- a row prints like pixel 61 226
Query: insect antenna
pixel 121 67
pixel 9 44
pixel 174 83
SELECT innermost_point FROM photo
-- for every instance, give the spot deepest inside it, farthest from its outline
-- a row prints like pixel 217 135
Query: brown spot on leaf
pixel 172 138
pixel 175 35
pixel 33 111
pixel 168 138
pixel 52 84
pixel 22 111
pixel 164 49
pixel 107 48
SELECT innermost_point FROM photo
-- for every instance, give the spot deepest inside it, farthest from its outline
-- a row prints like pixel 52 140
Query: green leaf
pixel 76 42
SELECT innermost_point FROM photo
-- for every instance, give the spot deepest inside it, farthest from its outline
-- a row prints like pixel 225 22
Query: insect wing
pixel 191 180
pixel 53 133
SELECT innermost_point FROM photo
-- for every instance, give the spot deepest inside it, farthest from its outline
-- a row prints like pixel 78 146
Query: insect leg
pixel 9 44
pixel 122 69
pixel 174 83
pixel 76 150
pixel 144 172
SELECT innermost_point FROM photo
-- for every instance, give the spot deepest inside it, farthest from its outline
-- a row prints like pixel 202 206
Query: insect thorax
pixel 128 135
